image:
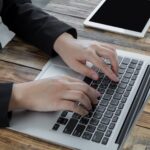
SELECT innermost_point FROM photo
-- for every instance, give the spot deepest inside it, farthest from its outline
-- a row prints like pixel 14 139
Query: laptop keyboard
pixel 98 125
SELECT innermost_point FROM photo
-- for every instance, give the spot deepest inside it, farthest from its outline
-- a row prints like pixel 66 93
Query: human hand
pixel 54 94
pixel 75 53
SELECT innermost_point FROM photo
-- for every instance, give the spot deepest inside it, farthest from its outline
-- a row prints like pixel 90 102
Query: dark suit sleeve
pixel 5 94
pixel 36 27
pixel 33 25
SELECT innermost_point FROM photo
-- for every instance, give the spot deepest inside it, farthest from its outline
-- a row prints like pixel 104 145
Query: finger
pixel 86 71
pixel 98 62
pixel 74 107
pixel 71 79
pixel 109 46
pixel 111 55
pixel 89 91
pixel 78 96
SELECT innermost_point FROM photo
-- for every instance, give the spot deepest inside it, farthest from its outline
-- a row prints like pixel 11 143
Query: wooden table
pixel 20 62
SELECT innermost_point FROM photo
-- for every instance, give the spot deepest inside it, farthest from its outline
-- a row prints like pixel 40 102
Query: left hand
pixel 75 53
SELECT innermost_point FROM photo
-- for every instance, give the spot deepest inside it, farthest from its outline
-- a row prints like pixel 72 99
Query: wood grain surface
pixel 21 62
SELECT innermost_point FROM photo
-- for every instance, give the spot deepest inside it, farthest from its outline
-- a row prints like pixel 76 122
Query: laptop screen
pixel 127 14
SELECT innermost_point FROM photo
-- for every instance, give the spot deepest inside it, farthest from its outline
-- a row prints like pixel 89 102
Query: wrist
pixel 63 42
pixel 15 100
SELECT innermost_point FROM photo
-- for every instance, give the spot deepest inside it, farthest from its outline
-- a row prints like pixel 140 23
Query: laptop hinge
pixel 136 106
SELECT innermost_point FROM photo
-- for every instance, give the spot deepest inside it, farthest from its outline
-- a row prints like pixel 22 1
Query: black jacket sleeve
pixel 5 94
pixel 32 24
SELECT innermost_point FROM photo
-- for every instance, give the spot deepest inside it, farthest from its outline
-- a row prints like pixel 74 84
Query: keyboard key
pixel 132 65
pixel 129 88
pixel 62 120
pixel 132 82
pixel 134 61
pixel 97 115
pixel 101 75
pixel 117 96
pixel 78 130
pixel 121 71
pixel 115 118
pixel 102 127
pixel 114 102
pixel 128 75
pixel 136 72
pixel 123 66
pixel 101 108
pixel 125 80
pixel 122 85
pixel 105 140
pixel 110 91
pixel 111 108
pixel 108 133
pixel 138 67
pixel 120 59
pixel 70 126
pixel 104 103
pixel 94 85
pixel 101 90
pixel 118 112
pixel 113 85
pixel 124 99
pixel 97 137
pixel 89 115
pixel 90 128
pixel 87 80
pixel 94 121
pixel 126 61
pixel 87 135
pixel 130 70
pixel 126 94
pixel 76 116
pixel 64 114
pixel 105 120
pixel 55 127
pixel 107 97
pixel 134 77
pixel 140 63
pixel 121 105
pixel 120 90
pixel 111 126
pixel 84 121
pixel 94 107
pixel 108 114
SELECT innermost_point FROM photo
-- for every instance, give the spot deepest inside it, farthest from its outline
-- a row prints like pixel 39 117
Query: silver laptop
pixel 107 126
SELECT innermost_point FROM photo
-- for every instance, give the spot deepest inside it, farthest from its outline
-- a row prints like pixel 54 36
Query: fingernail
pixel 117 79
pixel 98 93
pixel 94 76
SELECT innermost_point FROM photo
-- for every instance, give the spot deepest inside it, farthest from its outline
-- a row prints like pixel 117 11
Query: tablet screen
pixel 127 14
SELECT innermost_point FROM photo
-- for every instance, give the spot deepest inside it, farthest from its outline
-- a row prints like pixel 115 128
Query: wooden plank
pixel 24 54
pixel 18 141
pixel 139 139
pixel 16 73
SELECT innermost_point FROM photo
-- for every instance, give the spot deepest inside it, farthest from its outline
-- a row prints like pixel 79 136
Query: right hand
pixel 54 94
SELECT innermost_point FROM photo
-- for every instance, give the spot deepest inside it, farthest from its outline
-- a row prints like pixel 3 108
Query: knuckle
pixel 112 53
pixel 85 88
pixel 81 95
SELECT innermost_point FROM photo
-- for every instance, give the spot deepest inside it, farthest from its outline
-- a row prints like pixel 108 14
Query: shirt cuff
pixel 5 95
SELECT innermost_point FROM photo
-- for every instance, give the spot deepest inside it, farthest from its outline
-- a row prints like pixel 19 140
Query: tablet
pixel 131 17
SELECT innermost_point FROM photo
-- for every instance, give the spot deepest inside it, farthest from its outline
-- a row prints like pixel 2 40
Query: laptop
pixel 108 125
pixel 131 17
pixel 6 35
